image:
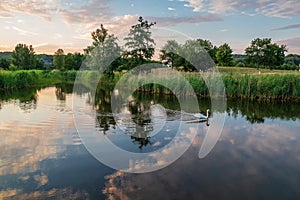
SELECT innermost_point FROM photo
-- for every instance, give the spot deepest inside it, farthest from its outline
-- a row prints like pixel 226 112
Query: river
pixel 42 156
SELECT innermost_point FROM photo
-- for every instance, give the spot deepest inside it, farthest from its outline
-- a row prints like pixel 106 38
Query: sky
pixel 67 24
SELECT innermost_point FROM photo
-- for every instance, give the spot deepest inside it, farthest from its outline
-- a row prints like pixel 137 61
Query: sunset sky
pixel 67 24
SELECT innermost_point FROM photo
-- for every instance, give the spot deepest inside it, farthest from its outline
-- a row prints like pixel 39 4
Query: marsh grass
pixel 266 87
pixel 30 78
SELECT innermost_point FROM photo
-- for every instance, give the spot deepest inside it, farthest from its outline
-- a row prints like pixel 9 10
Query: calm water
pixel 42 156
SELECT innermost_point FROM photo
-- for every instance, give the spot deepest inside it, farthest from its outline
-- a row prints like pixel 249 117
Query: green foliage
pixel 240 64
pixel 40 63
pixel 262 52
pixel 200 53
pixel 4 63
pixel 104 53
pixel 169 53
pixel 31 78
pixel 23 57
pixel 12 67
pixel 59 59
pixel 98 36
pixel 292 59
pixel 139 43
pixel 253 87
pixel 224 55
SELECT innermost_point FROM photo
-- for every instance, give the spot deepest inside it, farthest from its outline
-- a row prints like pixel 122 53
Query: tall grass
pixel 31 78
pixel 256 87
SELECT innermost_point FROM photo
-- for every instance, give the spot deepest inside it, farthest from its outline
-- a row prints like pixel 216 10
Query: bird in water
pixel 200 116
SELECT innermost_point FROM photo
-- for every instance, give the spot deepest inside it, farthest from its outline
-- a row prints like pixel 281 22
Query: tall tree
pixel 104 52
pixel 59 59
pixel 139 42
pixel 169 53
pixel 78 59
pixel 98 36
pixel 224 55
pixel 40 64
pixel 23 57
pixel 69 61
pixel 262 52
pixel 197 52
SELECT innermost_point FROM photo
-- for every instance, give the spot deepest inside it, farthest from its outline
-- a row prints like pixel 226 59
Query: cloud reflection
pixel 249 161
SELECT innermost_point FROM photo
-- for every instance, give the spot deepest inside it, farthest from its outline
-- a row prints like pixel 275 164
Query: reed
pixel 265 87
pixel 31 78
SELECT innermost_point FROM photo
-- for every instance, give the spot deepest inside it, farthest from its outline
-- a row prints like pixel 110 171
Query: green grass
pixel 238 82
pixel 253 71
pixel 266 86
pixel 31 78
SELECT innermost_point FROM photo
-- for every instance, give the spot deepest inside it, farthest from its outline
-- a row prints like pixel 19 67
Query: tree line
pixel 139 48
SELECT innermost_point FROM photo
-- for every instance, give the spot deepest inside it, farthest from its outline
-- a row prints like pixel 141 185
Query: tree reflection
pixel 257 112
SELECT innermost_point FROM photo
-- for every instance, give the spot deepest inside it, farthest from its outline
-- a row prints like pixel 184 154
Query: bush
pixel 12 67
pixel 240 64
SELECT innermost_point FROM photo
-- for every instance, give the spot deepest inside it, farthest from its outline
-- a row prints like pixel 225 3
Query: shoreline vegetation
pixel 10 80
pixel 250 85
pixel 254 75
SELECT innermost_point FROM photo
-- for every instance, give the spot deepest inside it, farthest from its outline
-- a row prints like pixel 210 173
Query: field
pixel 250 71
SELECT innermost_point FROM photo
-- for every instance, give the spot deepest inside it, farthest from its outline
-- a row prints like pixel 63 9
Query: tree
pixel 262 52
pixel 224 55
pixel 98 36
pixel 292 59
pixel 40 64
pixel 208 46
pixel 139 42
pixel 197 52
pixel 78 59
pixel 69 61
pixel 193 53
pixel 169 53
pixel 59 59
pixel 104 51
pixel 23 57
pixel 4 63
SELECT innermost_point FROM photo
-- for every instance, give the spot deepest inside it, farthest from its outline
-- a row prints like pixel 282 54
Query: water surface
pixel 42 156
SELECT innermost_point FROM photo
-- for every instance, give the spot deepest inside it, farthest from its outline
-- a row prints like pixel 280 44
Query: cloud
pixel 293 44
pixel 94 11
pixel 5 15
pixel 72 12
pixel 294 26
pixel 24 32
pixel 171 9
pixel 173 21
pixel 43 8
pixel 224 30
pixel 271 8
pixel 51 48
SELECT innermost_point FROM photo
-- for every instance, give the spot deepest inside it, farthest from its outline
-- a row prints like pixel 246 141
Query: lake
pixel 42 156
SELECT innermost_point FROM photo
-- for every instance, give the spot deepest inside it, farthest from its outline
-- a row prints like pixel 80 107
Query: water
pixel 43 157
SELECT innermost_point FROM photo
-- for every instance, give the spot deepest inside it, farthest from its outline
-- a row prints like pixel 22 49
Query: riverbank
pixel 264 87
pixel 254 86
pixel 31 78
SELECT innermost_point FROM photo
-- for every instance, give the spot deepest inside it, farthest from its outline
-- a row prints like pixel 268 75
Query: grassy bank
pixel 253 71
pixel 31 78
pixel 266 86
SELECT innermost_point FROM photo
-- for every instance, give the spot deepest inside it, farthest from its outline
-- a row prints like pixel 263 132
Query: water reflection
pixel 257 156
pixel 249 162
pixel 40 146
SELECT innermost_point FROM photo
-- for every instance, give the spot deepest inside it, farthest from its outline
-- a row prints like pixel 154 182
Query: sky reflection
pixel 43 157
pixel 258 161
